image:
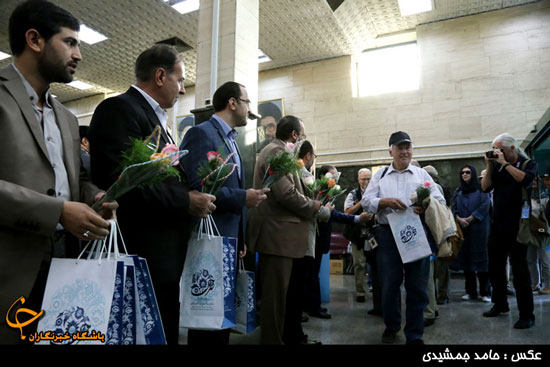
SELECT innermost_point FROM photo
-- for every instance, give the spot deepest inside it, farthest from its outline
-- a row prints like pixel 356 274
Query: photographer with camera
pixel 509 170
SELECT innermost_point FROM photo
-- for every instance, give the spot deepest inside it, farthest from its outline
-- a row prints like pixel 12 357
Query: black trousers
pixel 470 283
pixel 502 243
pixel 312 286
pixel 370 256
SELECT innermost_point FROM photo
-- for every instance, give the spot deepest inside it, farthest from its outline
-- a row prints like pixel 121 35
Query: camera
pixel 491 154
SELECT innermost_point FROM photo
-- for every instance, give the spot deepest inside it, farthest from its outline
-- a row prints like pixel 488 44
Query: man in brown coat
pixel 43 191
pixel 278 231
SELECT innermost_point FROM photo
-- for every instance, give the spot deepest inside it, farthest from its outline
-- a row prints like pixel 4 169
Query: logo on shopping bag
pixel 407 234
pixel 202 282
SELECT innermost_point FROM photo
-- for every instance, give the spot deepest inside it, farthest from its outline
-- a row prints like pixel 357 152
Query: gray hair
pixel 508 141
pixel 363 170
pixel 432 171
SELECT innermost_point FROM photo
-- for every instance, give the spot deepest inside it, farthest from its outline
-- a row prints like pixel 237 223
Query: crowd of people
pixel 48 186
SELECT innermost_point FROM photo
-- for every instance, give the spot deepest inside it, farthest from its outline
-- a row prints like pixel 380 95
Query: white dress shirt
pixel 159 111
pixel 396 184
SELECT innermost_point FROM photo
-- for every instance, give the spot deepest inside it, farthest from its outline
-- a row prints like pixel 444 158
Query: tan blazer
pixel 29 212
pixel 279 226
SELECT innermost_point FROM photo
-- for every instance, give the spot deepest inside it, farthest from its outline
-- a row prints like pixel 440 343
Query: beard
pixel 53 69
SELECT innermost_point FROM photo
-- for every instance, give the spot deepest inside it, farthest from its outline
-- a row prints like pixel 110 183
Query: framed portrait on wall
pixel 183 123
pixel 271 111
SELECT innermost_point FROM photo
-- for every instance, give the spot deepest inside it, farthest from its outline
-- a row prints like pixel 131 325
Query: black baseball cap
pixel 399 137
pixel 546 175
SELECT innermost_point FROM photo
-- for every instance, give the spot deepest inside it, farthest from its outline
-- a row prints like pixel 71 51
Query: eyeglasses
pixel 466 172
pixel 247 101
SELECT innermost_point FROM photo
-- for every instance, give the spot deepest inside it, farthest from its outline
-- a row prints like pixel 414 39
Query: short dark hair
pixel 83 129
pixel 47 18
pixel 305 148
pixel 224 93
pixel 324 169
pixel 286 125
pixel 157 56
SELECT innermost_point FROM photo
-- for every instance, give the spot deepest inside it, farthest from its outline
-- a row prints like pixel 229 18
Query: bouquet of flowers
pixel 326 188
pixel 280 164
pixel 421 193
pixel 142 165
pixel 214 171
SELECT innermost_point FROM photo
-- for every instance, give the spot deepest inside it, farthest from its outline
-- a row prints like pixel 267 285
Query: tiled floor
pixel 459 323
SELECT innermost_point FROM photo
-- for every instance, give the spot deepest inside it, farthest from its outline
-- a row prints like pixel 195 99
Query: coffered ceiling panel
pixel 291 32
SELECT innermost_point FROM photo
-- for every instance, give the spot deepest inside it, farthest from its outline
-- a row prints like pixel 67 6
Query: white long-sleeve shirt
pixel 398 185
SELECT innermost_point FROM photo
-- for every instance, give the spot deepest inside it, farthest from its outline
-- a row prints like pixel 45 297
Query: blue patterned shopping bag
pixel 114 328
pixel 245 301
pixel 129 333
pixel 208 280
pixel 150 329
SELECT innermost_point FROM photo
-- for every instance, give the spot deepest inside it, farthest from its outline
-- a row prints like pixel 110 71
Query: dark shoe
pixel 374 312
pixel 415 342
pixel 323 309
pixel 429 322
pixel 360 299
pixel 495 311
pixel 389 336
pixel 321 315
pixel 524 324
pixel 443 302
pixel 305 317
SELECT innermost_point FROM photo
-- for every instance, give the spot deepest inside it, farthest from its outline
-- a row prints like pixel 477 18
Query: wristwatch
pixel 506 165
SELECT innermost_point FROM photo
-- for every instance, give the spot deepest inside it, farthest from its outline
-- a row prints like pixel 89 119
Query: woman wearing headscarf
pixel 471 209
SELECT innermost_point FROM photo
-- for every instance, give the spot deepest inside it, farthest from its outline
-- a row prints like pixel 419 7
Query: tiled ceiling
pixel 291 32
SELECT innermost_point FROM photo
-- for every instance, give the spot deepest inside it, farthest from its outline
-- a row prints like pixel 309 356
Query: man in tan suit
pixel 42 188
pixel 278 231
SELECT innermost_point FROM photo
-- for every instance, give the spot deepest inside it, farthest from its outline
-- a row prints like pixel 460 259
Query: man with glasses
pixel 507 174
pixel 356 235
pixel 231 110
pixel 278 230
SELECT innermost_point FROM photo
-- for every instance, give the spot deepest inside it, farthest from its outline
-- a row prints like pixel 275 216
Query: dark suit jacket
pixel 29 210
pixel 230 213
pixel 153 220
pixel 322 241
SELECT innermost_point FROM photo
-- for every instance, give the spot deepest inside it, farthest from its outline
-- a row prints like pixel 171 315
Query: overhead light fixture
pixel 410 7
pixel 262 57
pixel 4 55
pixel 80 85
pixel 185 6
pixel 89 35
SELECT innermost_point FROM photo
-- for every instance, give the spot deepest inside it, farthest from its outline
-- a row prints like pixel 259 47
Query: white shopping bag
pixel 409 235
pixel 208 280
pixel 77 299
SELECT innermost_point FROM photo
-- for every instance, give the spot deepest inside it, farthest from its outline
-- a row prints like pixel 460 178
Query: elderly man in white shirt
pixel 390 190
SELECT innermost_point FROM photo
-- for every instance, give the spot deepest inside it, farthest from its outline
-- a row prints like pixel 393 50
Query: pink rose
pixel 170 149
pixel 212 155
pixel 427 184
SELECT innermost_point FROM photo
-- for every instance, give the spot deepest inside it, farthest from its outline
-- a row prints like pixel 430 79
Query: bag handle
pixel 208 227
pixel 109 245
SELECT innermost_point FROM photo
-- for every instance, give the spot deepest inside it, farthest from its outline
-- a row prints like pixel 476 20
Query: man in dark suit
pixel 155 221
pixel 44 194
pixel 231 109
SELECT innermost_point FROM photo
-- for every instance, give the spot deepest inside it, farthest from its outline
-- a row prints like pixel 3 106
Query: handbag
pixel 245 301
pixel 533 230
pixel 208 280
pixel 78 297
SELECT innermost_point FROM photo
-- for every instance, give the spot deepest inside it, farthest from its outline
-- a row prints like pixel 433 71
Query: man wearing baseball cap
pixel 390 190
